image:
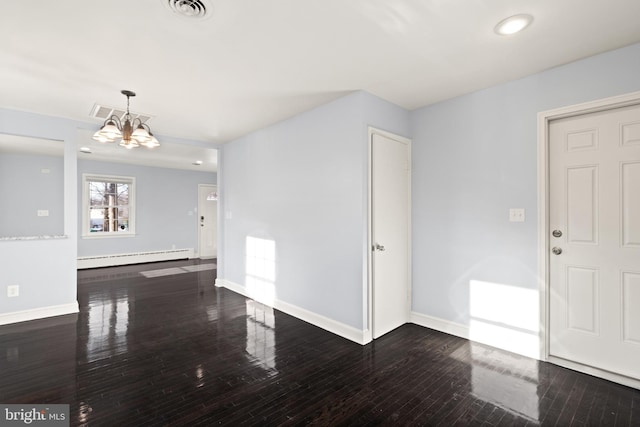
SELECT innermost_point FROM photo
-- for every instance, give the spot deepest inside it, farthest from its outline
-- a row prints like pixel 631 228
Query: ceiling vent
pixel 190 8
pixel 103 112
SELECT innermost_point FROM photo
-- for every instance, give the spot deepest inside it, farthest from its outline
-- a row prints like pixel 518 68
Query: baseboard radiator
pixel 133 258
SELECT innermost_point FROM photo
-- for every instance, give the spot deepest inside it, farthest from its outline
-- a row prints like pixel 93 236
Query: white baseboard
pixel 38 313
pixel 505 338
pixel 133 258
pixel 232 286
pixel 323 322
pixel 333 326
pixel 498 340
pixel 441 325
pixel 611 376
pixel 446 326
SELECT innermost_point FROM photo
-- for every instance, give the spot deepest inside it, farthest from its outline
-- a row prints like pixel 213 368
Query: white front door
pixel 594 222
pixel 207 221
pixel 390 169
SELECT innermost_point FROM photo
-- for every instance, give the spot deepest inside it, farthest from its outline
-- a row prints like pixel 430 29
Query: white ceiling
pixel 256 62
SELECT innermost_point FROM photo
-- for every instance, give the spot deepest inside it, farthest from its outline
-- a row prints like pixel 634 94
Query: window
pixel 108 206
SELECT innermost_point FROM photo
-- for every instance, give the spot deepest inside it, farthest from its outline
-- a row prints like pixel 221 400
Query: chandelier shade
pixel 132 132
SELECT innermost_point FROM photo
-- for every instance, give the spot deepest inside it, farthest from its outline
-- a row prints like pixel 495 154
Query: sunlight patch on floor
pixel 149 274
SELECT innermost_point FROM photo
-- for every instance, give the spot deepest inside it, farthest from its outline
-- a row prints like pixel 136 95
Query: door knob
pixel 379 247
pixel 556 250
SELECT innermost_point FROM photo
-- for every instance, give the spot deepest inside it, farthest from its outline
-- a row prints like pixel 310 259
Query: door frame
pixel 215 186
pixel 544 120
pixel 368 306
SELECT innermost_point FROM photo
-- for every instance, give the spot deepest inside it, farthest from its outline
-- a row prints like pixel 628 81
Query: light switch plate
pixel 516 215
pixel 13 291
pixel 43 212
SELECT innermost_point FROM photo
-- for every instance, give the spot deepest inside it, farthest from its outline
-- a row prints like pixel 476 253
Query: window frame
pixel 86 220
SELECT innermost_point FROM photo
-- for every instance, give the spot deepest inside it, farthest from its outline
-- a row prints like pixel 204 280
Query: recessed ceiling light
pixel 197 163
pixel 86 150
pixel 513 24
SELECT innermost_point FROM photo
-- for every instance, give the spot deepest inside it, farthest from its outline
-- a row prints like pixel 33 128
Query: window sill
pixel 44 237
pixel 107 235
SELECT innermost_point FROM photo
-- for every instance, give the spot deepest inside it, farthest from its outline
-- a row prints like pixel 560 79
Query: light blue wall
pixel 303 184
pixel 166 208
pixel 45 270
pixel 474 157
pixel 24 190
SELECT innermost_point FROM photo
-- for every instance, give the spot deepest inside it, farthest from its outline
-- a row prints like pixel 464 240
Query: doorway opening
pixel 207 221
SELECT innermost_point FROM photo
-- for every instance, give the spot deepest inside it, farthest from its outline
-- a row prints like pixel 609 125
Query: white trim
pixel 38 313
pixel 543 220
pixel 364 337
pixel 611 376
pixel 369 295
pixel 333 326
pixel 367 303
pixel 113 235
pixel 544 119
pixel 133 258
pixel 499 341
pixel 441 325
pixel 232 286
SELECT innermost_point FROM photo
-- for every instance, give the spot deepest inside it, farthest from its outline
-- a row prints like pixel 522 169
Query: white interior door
pixel 594 221
pixel 207 221
pixel 390 170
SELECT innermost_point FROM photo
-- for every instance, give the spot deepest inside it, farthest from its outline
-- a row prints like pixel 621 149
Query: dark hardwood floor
pixel 168 348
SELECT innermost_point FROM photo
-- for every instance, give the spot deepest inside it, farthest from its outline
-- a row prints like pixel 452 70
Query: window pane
pixel 110 191
pixel 123 219
pixel 123 194
pixel 109 206
pixel 96 220
pixel 123 213
pixel 123 188
pixel 110 219
pixel 96 193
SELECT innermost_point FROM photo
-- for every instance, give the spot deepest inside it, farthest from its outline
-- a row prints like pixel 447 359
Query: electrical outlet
pixel 516 215
pixel 13 291
pixel 43 212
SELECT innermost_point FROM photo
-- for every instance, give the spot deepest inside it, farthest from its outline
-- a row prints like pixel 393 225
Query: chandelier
pixel 133 133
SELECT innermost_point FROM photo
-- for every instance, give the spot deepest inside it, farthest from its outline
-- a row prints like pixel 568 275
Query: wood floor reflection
pixel 157 344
